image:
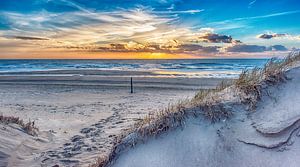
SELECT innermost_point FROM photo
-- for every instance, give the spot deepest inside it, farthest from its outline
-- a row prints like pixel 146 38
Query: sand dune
pixel 268 136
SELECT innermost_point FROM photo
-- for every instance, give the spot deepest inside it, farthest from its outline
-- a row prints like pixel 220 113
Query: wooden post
pixel 131 85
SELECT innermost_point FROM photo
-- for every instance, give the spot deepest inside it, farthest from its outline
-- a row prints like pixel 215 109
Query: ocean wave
pixel 189 68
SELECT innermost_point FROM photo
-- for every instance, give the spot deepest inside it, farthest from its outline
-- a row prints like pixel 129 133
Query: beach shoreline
pixel 108 78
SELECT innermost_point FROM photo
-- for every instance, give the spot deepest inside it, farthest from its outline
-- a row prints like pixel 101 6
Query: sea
pixel 192 68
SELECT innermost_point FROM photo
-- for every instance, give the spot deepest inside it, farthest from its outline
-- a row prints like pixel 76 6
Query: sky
pixel 148 29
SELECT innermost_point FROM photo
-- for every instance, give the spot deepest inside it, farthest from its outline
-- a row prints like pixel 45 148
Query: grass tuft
pixel 251 82
pixel 216 112
pixel 29 127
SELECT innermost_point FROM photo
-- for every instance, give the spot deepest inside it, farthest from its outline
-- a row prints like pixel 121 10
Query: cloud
pixel 197 48
pixel 269 36
pixel 246 48
pixel 76 28
pixel 172 7
pixel 276 35
pixel 210 49
pixel 190 47
pixel 217 38
pixel 141 24
pixel 167 1
pixel 117 46
pixel 268 15
pixel 254 48
pixel 27 38
pixel 251 3
pixel 180 11
pixel 240 22
pixel 277 48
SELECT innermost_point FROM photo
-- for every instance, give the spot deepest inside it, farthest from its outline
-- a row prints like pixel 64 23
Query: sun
pixel 157 55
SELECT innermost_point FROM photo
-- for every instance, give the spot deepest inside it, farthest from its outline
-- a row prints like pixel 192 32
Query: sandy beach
pixel 78 113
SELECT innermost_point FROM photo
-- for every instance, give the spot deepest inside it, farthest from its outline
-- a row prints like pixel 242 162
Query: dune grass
pixel 28 127
pixel 252 82
pixel 207 103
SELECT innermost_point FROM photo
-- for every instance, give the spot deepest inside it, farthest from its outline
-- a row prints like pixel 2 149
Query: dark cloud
pixel 270 36
pixel 190 47
pixel 217 38
pixel 194 47
pixel 255 48
pixel 210 49
pixel 154 47
pixel 28 38
pixel 118 46
pixel 246 48
pixel 277 48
